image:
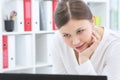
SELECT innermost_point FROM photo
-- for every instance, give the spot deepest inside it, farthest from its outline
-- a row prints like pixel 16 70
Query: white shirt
pixel 104 61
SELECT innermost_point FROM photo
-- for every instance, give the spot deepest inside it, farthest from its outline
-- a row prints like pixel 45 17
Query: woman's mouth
pixel 80 47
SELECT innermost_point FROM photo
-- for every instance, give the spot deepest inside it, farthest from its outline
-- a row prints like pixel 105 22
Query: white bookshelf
pixel 100 8
pixel 32 48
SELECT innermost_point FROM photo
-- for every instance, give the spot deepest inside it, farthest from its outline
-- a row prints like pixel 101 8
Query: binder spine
pixel 20 16
pixel 27 15
pixel 54 4
pixel 5 51
pixel 35 15
pixel 46 15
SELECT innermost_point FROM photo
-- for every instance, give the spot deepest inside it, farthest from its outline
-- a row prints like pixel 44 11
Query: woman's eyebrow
pixel 79 28
pixel 64 33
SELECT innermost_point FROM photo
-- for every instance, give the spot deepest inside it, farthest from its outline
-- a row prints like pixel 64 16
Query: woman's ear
pixel 93 20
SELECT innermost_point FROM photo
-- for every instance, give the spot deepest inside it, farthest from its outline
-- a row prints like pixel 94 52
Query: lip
pixel 80 47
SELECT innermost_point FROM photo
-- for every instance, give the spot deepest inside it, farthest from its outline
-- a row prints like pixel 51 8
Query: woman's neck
pixel 99 30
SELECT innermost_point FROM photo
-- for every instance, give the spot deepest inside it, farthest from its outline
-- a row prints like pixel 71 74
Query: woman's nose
pixel 76 41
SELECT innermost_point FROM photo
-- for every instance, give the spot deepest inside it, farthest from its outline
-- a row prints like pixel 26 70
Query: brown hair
pixel 71 9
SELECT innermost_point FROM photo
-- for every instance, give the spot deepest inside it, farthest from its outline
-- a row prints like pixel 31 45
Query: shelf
pixel 16 69
pixel 16 33
pixel 43 65
pixel 45 32
pixel 28 33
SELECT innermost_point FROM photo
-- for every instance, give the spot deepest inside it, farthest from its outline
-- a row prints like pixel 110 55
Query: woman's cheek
pixel 67 42
pixel 87 36
pixel 89 39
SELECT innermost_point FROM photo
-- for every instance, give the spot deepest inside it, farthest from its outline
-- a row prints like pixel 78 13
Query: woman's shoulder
pixel 111 34
pixel 110 38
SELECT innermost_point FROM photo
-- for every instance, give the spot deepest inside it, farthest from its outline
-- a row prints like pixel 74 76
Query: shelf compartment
pixel 44 70
pixel 24 51
pixel 43 44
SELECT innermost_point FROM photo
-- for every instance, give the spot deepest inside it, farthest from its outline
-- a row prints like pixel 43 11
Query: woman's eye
pixel 80 31
pixel 66 35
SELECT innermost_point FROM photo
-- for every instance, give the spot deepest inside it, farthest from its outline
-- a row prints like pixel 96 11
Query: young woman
pixel 82 48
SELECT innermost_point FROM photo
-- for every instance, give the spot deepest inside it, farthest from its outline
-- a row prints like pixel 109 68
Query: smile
pixel 80 47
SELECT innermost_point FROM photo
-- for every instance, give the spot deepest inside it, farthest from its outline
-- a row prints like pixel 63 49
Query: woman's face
pixel 77 34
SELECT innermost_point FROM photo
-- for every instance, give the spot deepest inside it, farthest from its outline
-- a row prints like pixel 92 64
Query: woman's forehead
pixel 76 23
